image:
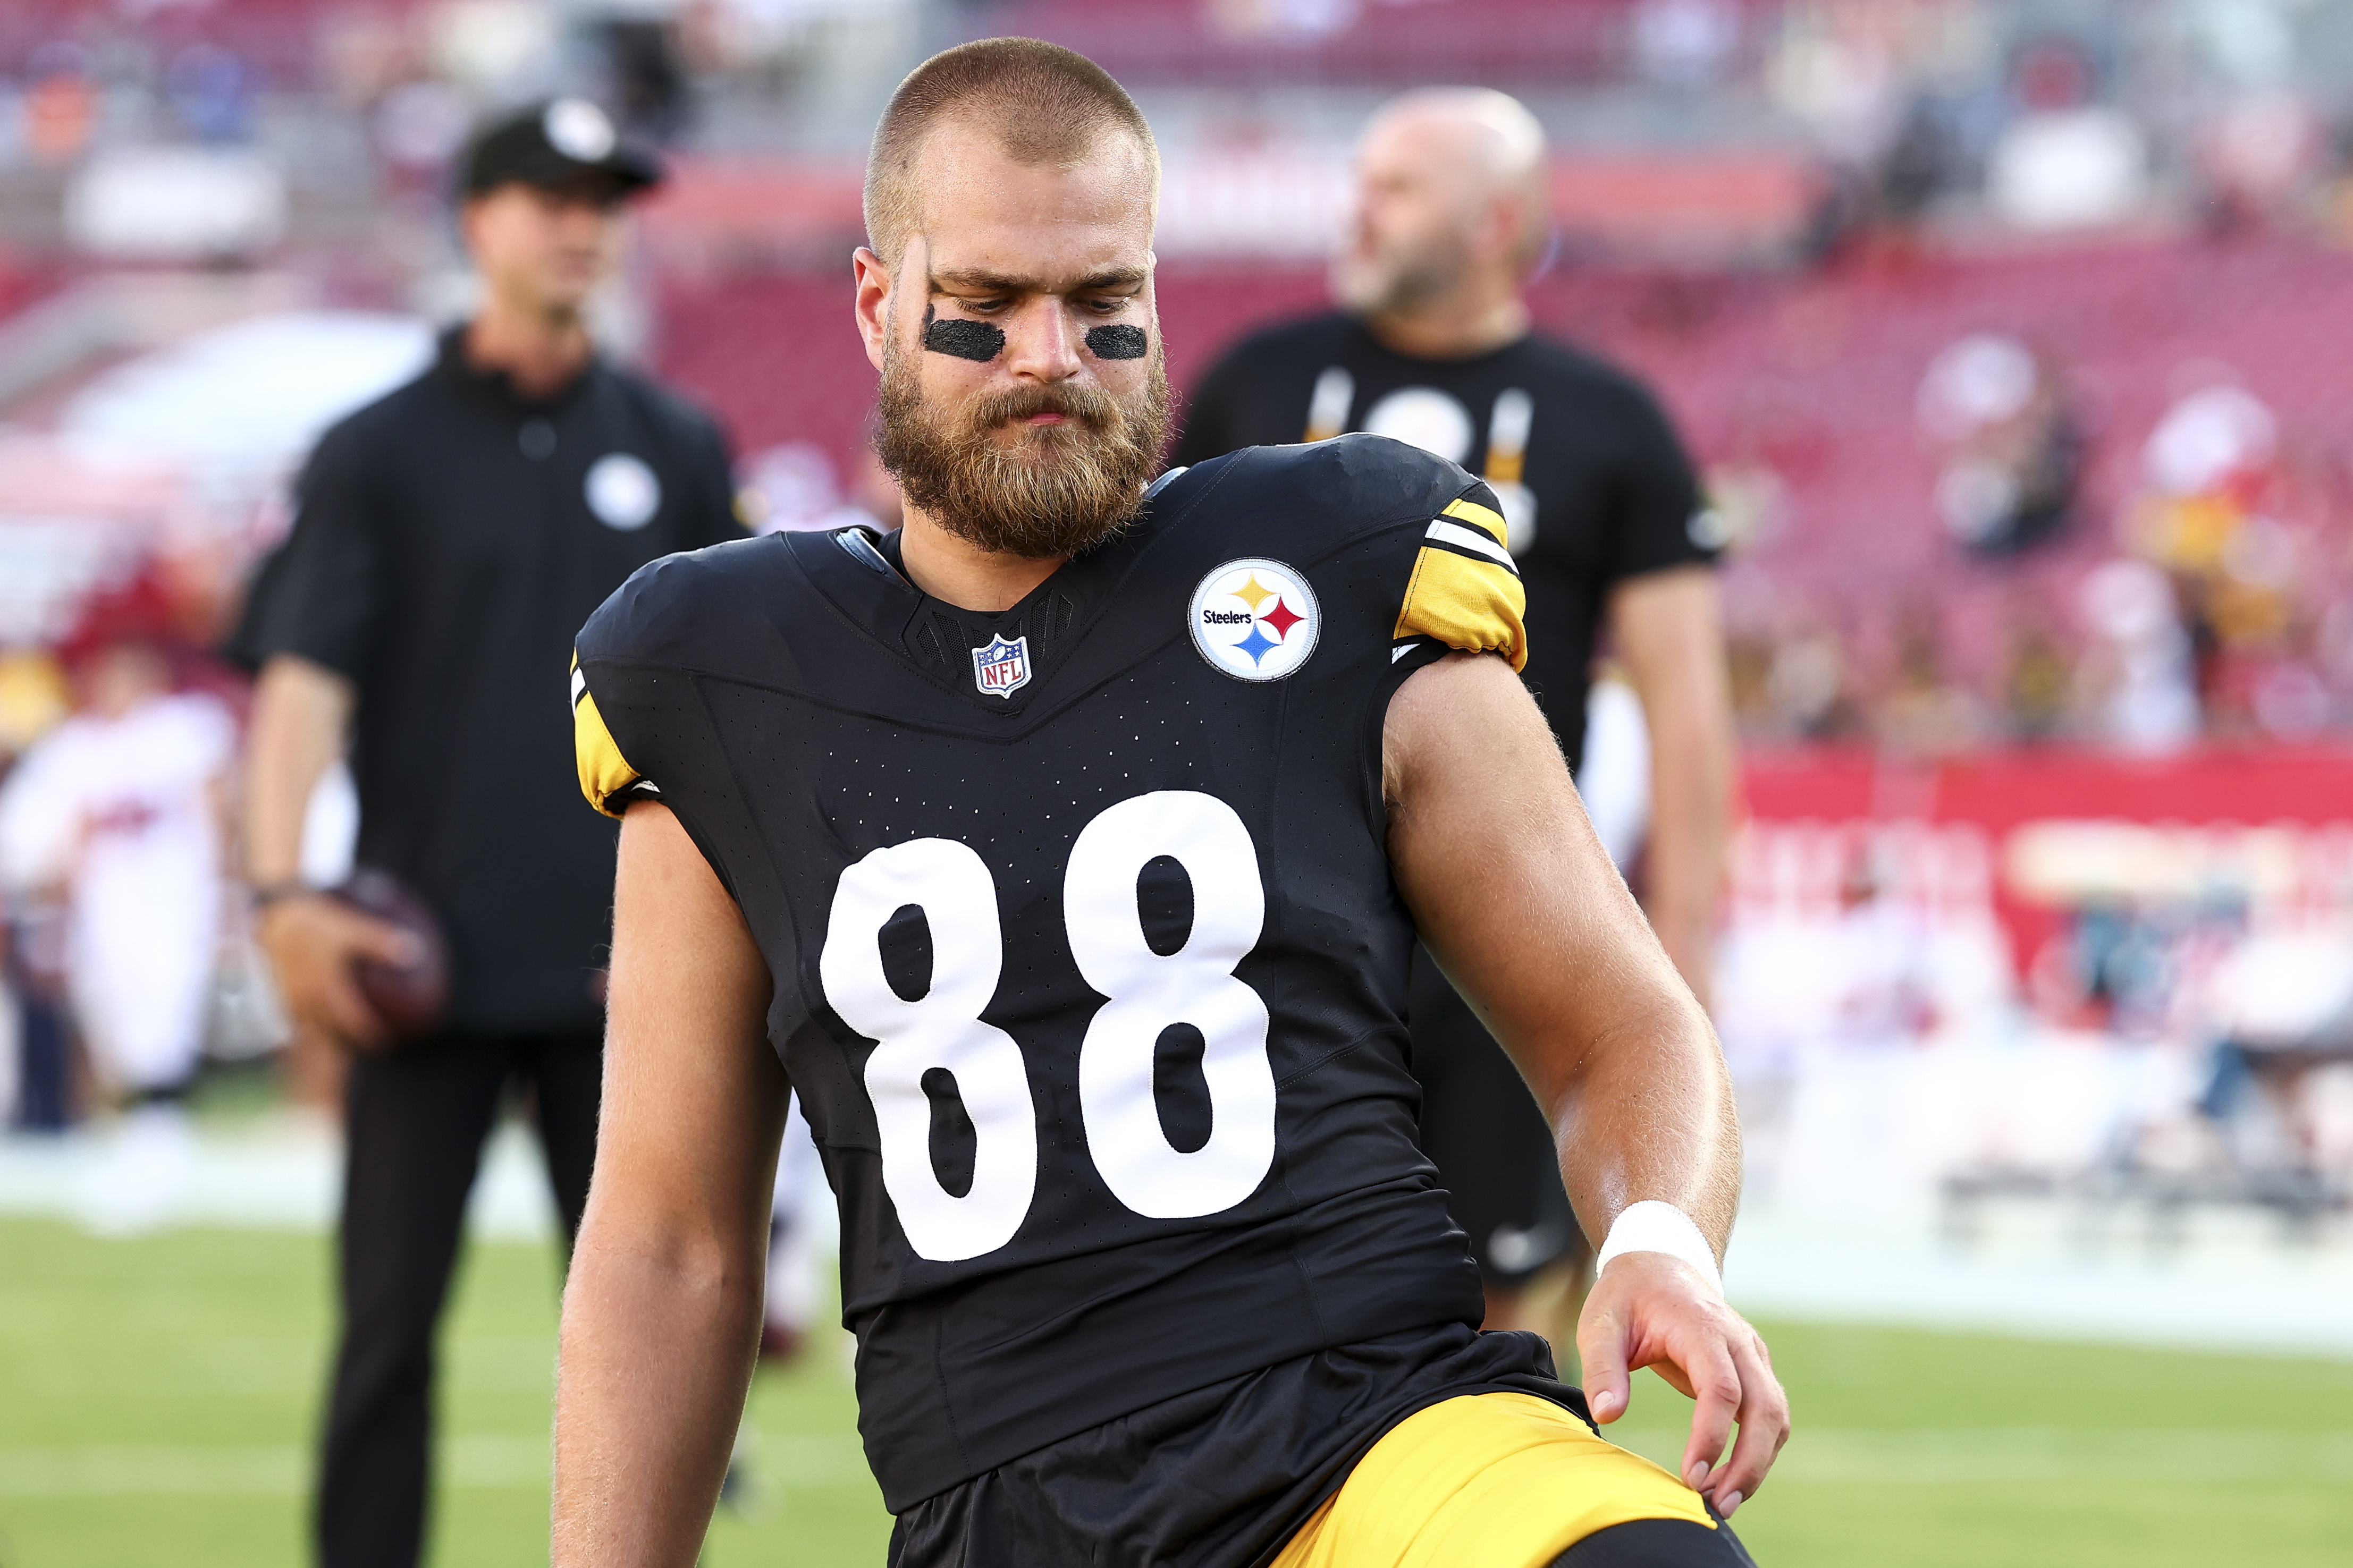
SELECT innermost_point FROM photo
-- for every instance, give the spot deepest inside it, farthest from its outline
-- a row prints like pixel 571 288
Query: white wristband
pixel 1654 1227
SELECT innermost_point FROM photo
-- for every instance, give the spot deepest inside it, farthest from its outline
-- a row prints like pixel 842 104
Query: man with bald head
pixel 1064 852
pixel 1433 346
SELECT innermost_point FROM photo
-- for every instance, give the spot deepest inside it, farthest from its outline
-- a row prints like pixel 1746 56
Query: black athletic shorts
pixel 1225 1476
pixel 1482 1128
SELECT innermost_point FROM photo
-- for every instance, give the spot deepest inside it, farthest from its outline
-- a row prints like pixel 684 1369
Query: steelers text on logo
pixel 1255 620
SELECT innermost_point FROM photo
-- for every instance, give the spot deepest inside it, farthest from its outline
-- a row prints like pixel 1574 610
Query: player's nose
pixel 1042 343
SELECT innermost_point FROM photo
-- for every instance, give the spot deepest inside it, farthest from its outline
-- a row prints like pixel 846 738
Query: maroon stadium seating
pixel 1811 374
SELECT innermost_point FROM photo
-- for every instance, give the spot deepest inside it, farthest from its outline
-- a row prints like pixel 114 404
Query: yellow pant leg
pixel 1495 1481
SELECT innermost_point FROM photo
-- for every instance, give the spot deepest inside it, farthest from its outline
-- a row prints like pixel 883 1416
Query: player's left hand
pixel 1651 1309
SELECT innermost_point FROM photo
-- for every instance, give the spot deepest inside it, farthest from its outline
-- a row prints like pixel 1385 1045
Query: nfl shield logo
pixel 1002 668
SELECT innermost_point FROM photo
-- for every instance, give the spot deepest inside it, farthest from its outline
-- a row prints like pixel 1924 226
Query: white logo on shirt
pixel 578 129
pixel 623 492
pixel 1426 417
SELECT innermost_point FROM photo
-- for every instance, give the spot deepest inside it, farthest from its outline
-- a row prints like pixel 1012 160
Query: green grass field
pixel 157 1398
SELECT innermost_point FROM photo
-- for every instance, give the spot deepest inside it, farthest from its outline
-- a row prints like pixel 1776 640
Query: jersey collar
pixel 862 576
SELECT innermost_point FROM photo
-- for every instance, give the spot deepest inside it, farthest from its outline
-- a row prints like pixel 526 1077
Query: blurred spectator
pixel 1923 714
pixel 121 808
pixel 2037 687
pixel 2067 161
pixel 2137 678
pixel 449 539
pixel 2260 155
pixel 1879 964
pixel 2220 512
pixel 2006 439
pixel 1806 686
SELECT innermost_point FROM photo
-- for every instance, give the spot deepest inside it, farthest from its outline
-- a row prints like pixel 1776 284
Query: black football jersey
pixel 1088 964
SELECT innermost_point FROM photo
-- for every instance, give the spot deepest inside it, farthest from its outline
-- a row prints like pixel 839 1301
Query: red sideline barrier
pixel 2000 793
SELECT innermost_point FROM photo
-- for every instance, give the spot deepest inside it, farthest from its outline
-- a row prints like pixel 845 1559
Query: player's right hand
pixel 1651 1309
pixel 313 942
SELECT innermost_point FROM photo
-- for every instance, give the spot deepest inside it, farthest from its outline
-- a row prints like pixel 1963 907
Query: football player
pixel 1065 852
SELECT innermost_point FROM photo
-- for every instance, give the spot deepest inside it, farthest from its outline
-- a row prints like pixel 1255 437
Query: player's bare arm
pixel 1670 636
pixel 661 1310
pixel 1518 900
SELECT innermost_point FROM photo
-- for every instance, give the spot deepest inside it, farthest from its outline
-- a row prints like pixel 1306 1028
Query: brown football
pixel 411 998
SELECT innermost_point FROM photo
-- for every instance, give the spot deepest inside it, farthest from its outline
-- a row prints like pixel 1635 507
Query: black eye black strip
pixel 1116 342
pixel 977 340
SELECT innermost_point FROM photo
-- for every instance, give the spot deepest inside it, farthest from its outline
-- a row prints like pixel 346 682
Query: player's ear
pixel 872 307
pixel 893 299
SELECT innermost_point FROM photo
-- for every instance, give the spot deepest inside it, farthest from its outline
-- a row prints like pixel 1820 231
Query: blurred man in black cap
pixel 448 538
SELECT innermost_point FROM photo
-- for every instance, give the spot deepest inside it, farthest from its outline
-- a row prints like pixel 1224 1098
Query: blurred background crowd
pixel 2004 333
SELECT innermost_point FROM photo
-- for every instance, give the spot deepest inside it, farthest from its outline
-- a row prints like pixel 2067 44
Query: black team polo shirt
pixel 448 541
pixel 1606 490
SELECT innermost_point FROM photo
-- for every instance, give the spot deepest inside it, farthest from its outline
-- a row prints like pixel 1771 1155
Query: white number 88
pixel 1148 993
pixel 942 1029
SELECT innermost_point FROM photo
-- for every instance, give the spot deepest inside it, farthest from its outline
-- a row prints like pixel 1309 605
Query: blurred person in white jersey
pixel 121 809
pixel 1433 345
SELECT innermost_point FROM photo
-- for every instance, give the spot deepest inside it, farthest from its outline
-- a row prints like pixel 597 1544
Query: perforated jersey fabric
pixel 1089 968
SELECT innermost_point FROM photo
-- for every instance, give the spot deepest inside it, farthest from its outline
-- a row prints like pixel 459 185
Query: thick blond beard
pixel 1056 490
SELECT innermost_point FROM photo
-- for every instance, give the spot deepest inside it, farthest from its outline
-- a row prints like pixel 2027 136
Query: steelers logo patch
pixel 1255 620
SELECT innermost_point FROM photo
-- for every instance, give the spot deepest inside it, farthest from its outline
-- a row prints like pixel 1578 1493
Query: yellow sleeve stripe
pixel 1467 602
pixel 1480 517
pixel 604 771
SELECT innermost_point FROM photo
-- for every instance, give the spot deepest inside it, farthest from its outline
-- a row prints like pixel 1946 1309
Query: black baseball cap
pixel 557 141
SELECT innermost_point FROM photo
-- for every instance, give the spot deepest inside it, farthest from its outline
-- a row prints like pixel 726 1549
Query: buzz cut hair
pixel 1041 103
